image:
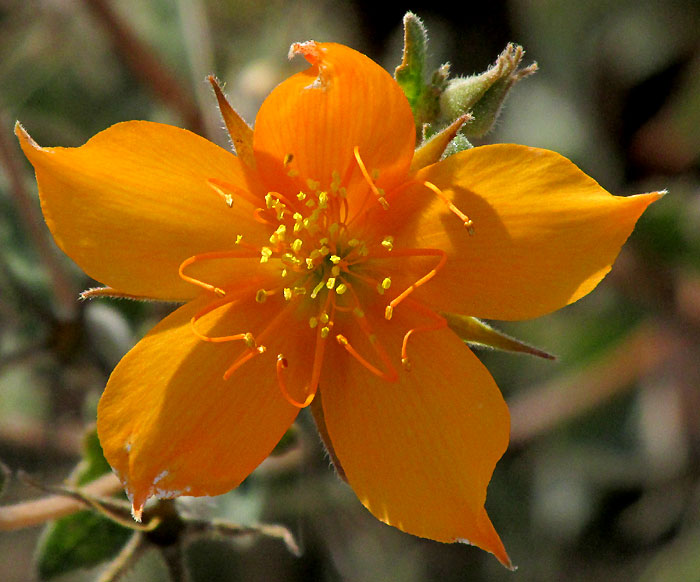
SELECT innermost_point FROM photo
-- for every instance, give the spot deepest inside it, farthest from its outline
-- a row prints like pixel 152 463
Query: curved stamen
pixel 439 322
pixel 247 355
pixel 422 281
pixel 281 367
pixel 282 198
pixel 343 341
pixel 230 191
pixel 234 254
pixel 372 186
pixel 468 224
pixel 254 349
pixel 258 216
pixel 247 336
pixel 391 375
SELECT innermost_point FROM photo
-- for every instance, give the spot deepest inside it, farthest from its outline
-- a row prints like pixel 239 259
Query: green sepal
pixel 475 332
pixel 424 98
pixel 84 539
pixel 409 74
pixel 483 94
pixel 458 144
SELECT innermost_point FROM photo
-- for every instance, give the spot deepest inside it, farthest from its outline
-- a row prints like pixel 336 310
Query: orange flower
pixel 324 255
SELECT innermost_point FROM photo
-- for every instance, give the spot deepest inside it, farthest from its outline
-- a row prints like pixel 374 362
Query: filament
pixel 234 254
pixel 439 322
pixel 468 224
pixel 422 281
pixel 281 367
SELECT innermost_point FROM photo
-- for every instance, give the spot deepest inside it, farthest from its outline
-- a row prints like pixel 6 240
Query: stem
pixel 540 409
pixel 32 513
pixel 141 60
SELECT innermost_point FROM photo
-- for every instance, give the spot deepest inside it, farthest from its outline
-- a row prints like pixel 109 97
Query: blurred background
pixel 602 480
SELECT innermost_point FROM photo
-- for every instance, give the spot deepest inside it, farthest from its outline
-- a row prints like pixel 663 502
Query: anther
pixel 261 296
pixel 287 292
pixel 388 243
pixel 313 322
pixel 330 284
pixel 325 331
pixel 342 288
pixel 265 254
pixel 468 224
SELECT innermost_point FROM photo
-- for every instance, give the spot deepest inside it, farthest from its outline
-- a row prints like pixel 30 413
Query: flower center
pixel 327 261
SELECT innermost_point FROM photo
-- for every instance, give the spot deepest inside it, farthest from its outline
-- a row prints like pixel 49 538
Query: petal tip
pixel 499 552
pixel 309 50
pixel 24 137
pixel 137 503
pixel 137 513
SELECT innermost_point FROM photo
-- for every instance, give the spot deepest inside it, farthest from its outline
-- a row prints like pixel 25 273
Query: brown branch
pixel 142 62
pixel 32 513
pixel 542 408
pixel 64 290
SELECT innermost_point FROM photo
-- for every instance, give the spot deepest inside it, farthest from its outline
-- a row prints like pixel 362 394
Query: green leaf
pixel 94 464
pixel 84 539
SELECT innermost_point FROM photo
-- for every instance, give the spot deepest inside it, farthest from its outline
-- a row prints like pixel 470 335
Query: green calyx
pixel 483 95
pixel 475 332
pixel 437 103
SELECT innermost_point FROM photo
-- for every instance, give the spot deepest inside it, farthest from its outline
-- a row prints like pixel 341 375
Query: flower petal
pixel 171 425
pixel 342 101
pixel 420 452
pixel 133 203
pixel 545 233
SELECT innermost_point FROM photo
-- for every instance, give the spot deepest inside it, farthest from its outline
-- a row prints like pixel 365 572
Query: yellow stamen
pixel 281 367
pixel 468 224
